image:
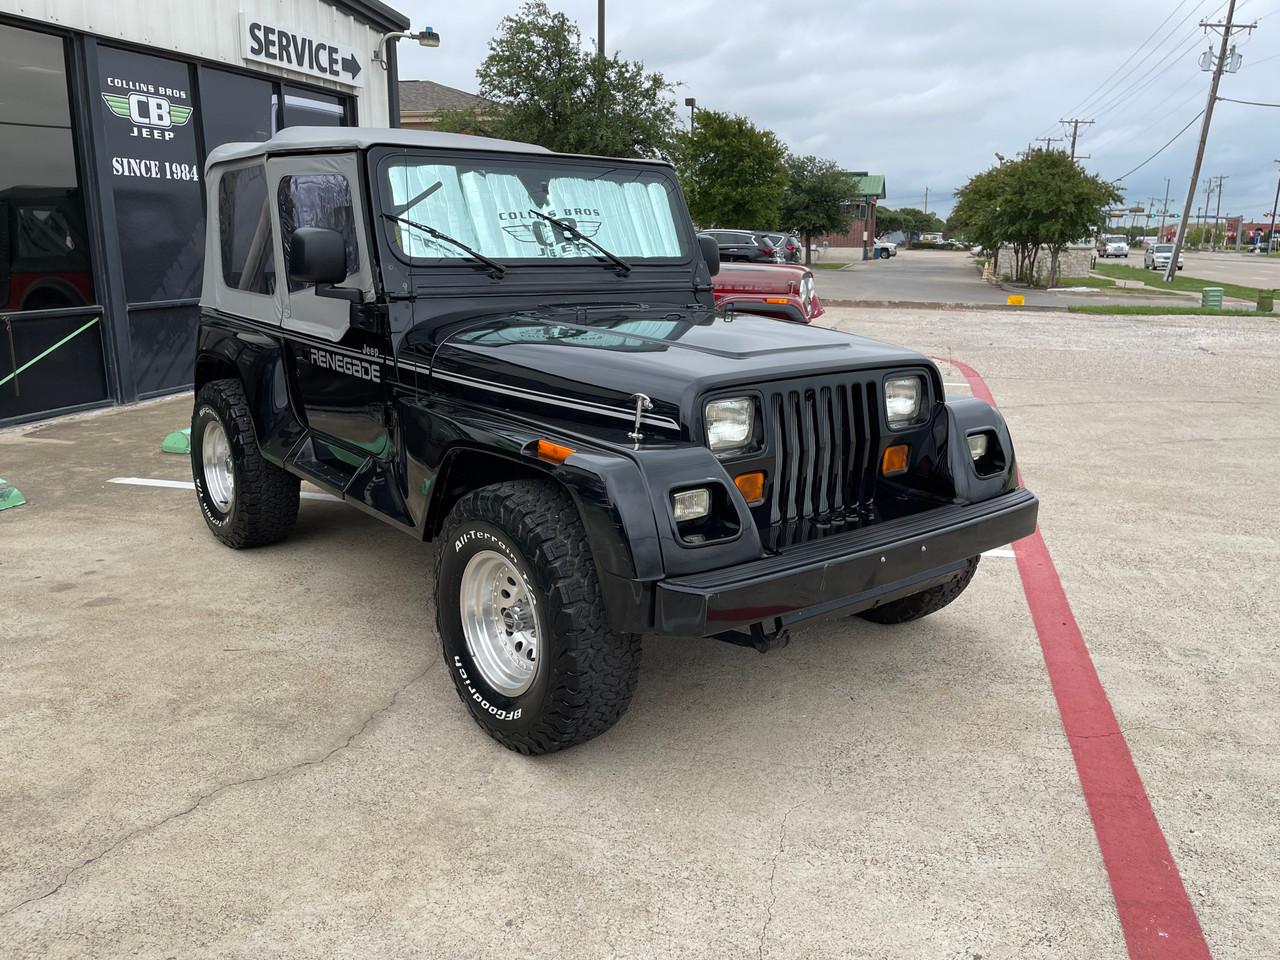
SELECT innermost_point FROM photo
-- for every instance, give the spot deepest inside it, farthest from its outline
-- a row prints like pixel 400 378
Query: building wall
pixel 853 237
pixel 210 30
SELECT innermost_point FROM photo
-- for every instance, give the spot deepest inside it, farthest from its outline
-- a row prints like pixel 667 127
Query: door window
pixel 318 200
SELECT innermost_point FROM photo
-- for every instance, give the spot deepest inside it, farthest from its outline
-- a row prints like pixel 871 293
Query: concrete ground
pixel 951 277
pixel 207 753
pixel 1243 268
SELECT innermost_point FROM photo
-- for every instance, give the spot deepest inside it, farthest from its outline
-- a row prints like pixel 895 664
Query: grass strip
pixel 1084 282
pixel 1153 279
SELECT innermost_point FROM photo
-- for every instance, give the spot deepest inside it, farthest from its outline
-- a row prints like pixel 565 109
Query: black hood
pixel 594 363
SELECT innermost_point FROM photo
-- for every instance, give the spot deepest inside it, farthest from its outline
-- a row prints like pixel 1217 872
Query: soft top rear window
pixel 491 205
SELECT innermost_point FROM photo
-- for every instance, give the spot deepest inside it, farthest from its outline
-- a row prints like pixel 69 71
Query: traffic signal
pixel 1174 216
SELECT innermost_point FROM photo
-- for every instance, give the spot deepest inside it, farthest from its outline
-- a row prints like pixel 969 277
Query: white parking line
pixel 188 485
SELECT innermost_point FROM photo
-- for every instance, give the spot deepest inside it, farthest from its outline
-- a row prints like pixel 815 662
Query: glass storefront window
pixel 48 360
pixel 306 108
pixel 236 108
pixel 44 247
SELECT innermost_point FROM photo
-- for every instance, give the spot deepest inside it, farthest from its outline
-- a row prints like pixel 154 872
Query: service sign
pixel 300 51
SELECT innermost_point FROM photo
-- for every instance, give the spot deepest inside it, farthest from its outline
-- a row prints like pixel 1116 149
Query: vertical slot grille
pixel 822 438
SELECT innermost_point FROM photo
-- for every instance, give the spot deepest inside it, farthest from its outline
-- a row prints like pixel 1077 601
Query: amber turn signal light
pixel 895 460
pixel 775 299
pixel 550 452
pixel 751 486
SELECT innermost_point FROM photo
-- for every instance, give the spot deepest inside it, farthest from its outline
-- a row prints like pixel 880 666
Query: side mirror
pixel 317 255
pixel 710 253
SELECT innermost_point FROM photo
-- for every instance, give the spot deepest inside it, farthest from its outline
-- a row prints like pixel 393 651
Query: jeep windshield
pixel 498 205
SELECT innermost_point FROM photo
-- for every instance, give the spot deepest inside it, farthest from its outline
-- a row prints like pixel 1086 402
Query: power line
pixel 1110 76
pixel 1117 93
pixel 1164 148
pixel 1219 64
pixel 1251 103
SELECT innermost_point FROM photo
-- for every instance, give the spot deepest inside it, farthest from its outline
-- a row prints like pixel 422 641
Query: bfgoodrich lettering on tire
pixel 247 500
pixel 522 624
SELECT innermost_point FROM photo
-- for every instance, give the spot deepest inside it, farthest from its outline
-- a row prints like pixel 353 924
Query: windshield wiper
pixel 570 229
pixel 499 271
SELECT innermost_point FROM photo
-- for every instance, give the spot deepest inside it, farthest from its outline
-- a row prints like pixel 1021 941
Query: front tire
pixel 247 500
pixel 925 602
pixel 522 622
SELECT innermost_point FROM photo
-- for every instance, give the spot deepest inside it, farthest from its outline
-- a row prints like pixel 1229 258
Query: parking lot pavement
pixel 1243 268
pixel 950 277
pixel 208 753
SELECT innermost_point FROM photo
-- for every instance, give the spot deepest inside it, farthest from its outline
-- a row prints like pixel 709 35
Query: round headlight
pixel 729 424
pixel 903 399
pixel 806 294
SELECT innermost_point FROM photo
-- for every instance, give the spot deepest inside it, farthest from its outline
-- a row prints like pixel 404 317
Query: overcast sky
pixel 926 92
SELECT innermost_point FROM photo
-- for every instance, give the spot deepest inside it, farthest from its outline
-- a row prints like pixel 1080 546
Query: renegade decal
pixel 349 365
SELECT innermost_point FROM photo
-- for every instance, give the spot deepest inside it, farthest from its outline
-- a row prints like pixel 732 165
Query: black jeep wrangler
pixel 515 354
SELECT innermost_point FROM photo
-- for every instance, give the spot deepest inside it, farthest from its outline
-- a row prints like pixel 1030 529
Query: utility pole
pixel 1218 66
pixel 1075 132
pixel 1217 212
pixel 926 199
pixel 600 42
pixel 1271 237
pixel 1048 142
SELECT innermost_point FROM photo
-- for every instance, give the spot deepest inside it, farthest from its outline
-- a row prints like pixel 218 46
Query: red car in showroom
pixel 780 290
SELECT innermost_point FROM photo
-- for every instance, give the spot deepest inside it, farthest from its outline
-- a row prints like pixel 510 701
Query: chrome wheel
pixel 215 457
pixel 499 622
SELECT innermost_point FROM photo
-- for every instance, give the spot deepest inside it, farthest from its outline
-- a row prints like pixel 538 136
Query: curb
pixel 935 305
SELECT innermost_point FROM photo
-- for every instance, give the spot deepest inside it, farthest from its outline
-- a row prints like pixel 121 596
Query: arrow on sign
pixel 352 66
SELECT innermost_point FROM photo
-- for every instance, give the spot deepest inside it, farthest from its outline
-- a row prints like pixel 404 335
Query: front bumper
pixel 845 574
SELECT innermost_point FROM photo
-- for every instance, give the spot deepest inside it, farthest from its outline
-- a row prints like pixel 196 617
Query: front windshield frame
pixel 677 234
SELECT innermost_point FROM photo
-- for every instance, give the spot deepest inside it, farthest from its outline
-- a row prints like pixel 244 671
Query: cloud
pixel 925 91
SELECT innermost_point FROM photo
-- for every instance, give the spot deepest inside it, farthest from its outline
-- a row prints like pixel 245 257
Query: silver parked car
pixel 1157 256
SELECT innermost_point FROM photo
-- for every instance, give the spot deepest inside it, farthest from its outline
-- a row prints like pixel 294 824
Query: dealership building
pixel 107 112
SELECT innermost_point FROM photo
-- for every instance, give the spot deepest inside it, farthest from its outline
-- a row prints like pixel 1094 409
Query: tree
pixel 544 88
pixel 1044 201
pixel 733 173
pixel 819 198
pixel 909 220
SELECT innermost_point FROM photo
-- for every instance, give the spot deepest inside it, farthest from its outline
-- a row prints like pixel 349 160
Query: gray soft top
pixel 319 139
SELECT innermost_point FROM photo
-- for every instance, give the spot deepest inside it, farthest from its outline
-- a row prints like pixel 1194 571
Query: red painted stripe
pixel 1156 915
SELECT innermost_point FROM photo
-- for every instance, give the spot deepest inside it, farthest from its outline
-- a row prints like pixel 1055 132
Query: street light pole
pixel 1217 213
pixel 600 42
pixel 692 104
pixel 1164 210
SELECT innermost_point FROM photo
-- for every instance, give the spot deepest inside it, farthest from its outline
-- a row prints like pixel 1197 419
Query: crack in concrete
pixel 278 774
pixel 773 865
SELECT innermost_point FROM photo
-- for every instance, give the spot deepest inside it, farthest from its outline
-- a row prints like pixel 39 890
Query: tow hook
pixel 777 636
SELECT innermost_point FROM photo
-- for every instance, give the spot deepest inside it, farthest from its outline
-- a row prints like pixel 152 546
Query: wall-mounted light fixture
pixel 427 37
